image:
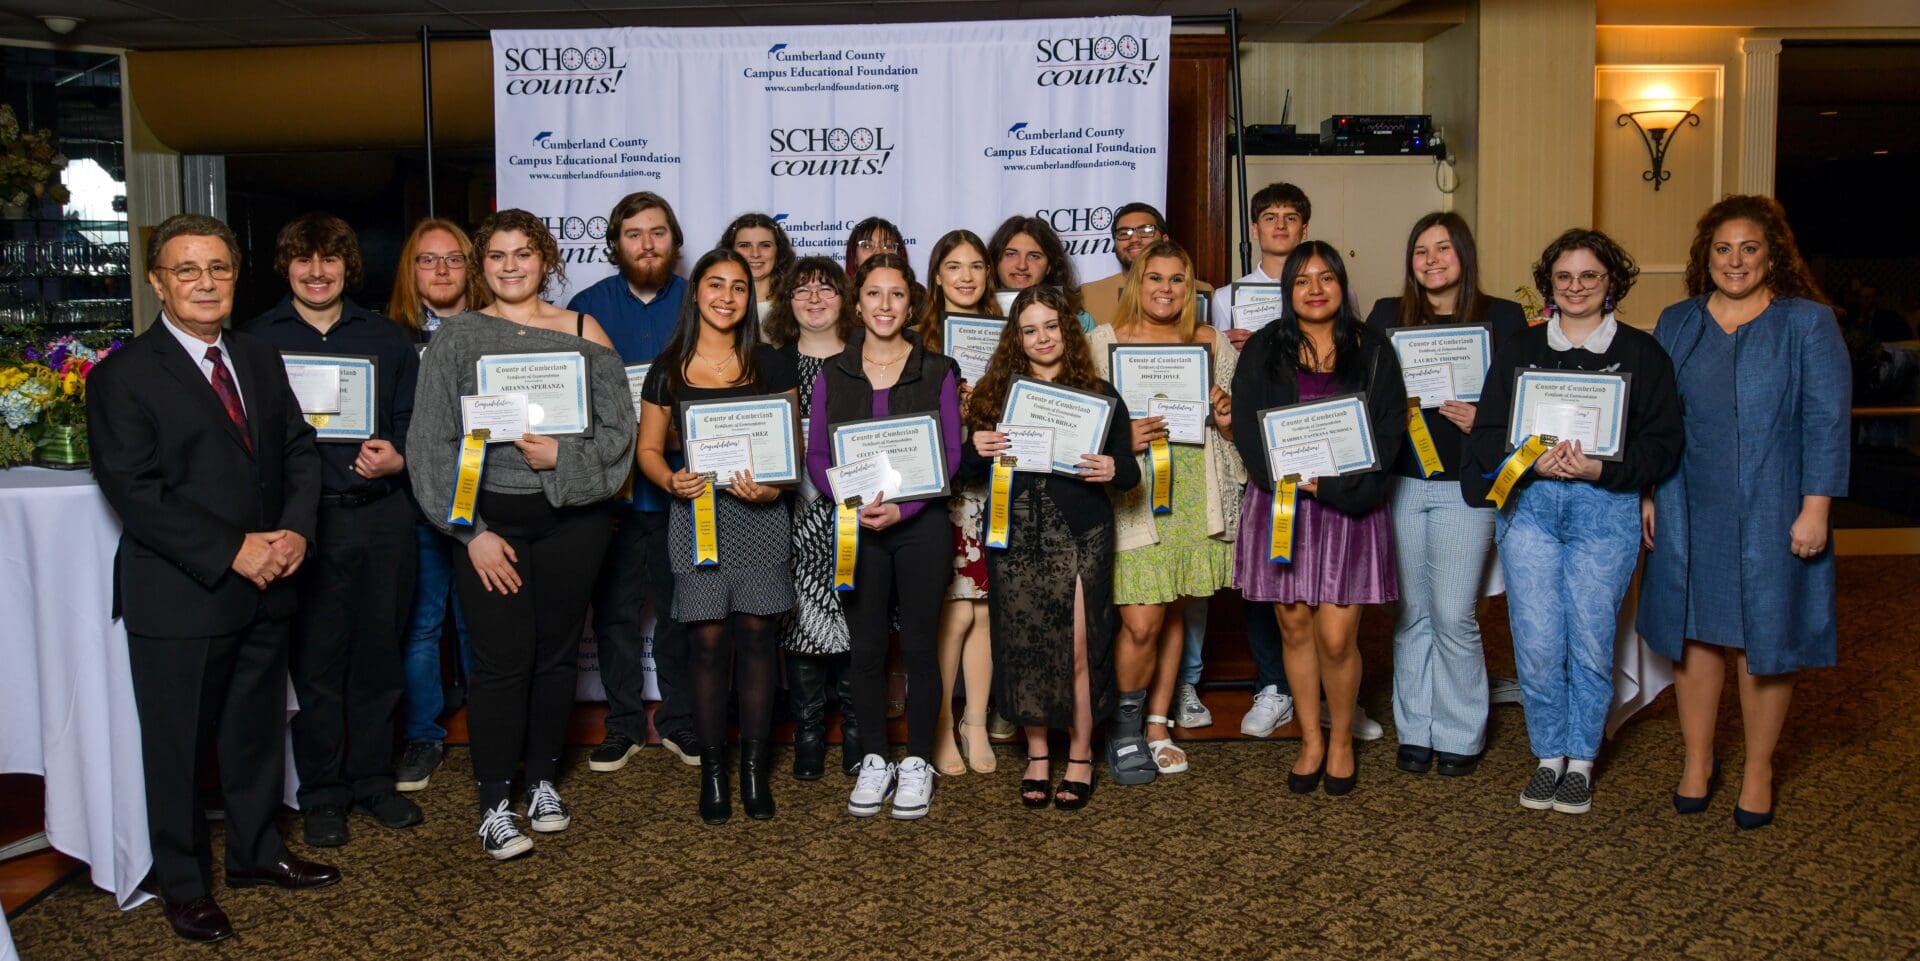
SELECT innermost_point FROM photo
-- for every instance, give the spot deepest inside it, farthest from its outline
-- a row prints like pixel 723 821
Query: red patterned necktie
pixel 223 388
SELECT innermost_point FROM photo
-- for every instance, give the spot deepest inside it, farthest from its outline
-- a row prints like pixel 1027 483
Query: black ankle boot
pixel 807 696
pixel 755 794
pixel 716 802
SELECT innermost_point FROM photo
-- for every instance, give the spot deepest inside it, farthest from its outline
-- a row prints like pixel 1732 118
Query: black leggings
pixel 913 561
pixel 526 646
pixel 746 644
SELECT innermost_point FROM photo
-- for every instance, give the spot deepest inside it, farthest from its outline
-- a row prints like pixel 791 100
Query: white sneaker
pixel 873 788
pixel 501 839
pixel 1504 690
pixel 546 813
pixel 1192 712
pixel 915 793
pixel 1364 727
pixel 1270 710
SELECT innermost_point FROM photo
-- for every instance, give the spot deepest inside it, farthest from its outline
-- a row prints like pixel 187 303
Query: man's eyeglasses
pixel 188 273
pixel 433 261
pixel 815 292
pixel 1585 279
pixel 1148 231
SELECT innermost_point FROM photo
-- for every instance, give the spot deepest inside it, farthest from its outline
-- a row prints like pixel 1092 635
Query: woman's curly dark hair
pixel 781 326
pixel 986 404
pixel 538 237
pixel 1787 273
pixel 1621 270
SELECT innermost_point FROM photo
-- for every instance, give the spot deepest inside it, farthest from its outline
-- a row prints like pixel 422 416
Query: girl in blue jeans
pixel 1569 532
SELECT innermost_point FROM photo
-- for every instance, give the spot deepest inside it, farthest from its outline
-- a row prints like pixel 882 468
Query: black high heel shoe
pixel 1747 820
pixel 1040 786
pixel 715 805
pixel 1305 783
pixel 1683 804
pixel 756 795
pixel 1082 791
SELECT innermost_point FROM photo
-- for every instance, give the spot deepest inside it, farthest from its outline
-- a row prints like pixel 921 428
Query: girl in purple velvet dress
pixel 1342 538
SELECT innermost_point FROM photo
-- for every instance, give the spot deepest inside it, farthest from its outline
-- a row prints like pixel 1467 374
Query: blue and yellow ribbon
pixel 1516 466
pixel 1160 459
pixel 466 478
pixel 1422 439
pixel 846 542
pixel 1286 495
pixel 706 528
pixel 1000 503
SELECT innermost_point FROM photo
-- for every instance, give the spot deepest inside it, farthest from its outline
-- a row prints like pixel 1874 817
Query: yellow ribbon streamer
pixel 706 529
pixel 466 478
pixel 846 542
pixel 1280 534
pixel 1000 503
pixel 1161 459
pixel 1422 439
pixel 1516 466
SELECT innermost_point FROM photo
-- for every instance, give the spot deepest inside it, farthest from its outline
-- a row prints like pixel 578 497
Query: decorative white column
pixel 1760 120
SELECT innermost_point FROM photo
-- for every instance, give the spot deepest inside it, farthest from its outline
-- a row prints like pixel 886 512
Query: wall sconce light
pixel 1657 119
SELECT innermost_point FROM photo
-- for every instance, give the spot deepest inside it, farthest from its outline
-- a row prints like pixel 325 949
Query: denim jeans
pixel 1439 672
pixel 1568 550
pixel 1191 660
pixel 433 588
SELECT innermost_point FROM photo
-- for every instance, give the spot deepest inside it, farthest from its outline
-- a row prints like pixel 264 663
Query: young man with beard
pixel 1135 227
pixel 356 593
pixel 638 308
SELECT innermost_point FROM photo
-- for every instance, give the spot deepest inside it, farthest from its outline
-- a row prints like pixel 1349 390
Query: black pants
pixel 356 599
pixel 526 646
pixel 230 689
pixel 638 570
pixel 911 561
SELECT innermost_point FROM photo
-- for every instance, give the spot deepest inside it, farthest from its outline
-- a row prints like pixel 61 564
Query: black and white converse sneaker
pixel 498 834
pixel 1539 793
pixel 546 813
pixel 1574 795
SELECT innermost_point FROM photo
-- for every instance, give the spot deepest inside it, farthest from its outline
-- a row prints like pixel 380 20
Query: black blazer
pixel 175 469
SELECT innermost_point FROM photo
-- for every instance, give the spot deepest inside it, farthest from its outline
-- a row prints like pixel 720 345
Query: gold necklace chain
pixel 883 365
pixel 717 365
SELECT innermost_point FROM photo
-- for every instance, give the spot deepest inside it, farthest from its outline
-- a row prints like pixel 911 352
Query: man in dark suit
pixel 199 445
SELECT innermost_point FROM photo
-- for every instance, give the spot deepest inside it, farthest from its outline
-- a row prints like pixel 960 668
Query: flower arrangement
pixel 29 165
pixel 1530 304
pixel 43 401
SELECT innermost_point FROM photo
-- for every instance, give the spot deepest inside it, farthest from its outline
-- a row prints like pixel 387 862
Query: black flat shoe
pixel 1040 786
pixel 1305 783
pixel 1341 786
pixel 1415 759
pixel 1456 765
pixel 1081 791
pixel 1747 820
pixel 1683 804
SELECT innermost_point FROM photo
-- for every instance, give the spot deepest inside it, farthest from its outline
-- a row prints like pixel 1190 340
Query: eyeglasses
pixel 1586 279
pixel 433 261
pixel 1149 231
pixel 815 292
pixel 880 246
pixel 188 273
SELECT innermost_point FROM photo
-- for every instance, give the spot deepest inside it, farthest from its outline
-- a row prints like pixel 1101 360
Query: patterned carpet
pixel 1216 863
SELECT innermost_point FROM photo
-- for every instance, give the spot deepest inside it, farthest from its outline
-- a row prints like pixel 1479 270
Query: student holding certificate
pixel 960 283
pixel 1026 251
pixel 1342 543
pixel 1744 567
pixel 729 591
pixel 1053 613
pixel 1443 547
pixel 1569 527
pixel 1172 546
pixel 533 517
pixel 902 550
pixel 763 243
pixel 811 320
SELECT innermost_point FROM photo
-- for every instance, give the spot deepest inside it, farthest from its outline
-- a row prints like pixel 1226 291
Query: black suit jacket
pixel 175 469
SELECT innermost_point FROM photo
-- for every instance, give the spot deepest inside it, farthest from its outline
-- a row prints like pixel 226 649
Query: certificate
pixel 1255 305
pixel 913 447
pixel 337 393
pixel 1313 459
pixel 1078 418
pixel 1030 447
pixel 1005 299
pixel 1339 421
pixel 1598 418
pixel 1431 383
pixel 973 363
pixel 1142 371
pixel 555 384
pixel 722 457
pixel 1467 348
pixel 1186 419
pixel 975 332
pixel 637 378
pixel 772 421
pixel 503 416
pixel 864 478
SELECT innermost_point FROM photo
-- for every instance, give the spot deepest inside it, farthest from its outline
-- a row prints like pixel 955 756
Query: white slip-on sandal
pixel 1162 747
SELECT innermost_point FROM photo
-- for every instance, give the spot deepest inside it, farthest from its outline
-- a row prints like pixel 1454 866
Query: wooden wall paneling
pixel 1199 212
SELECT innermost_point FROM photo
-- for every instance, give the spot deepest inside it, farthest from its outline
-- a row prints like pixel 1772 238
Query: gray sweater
pixel 591 467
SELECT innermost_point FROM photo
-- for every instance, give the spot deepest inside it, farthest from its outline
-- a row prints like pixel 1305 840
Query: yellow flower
pixel 70 384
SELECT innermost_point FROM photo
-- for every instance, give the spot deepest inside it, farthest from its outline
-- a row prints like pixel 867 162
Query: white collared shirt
pixel 1597 342
pixel 197 349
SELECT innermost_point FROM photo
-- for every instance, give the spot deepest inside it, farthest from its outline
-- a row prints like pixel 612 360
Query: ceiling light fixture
pixel 61 25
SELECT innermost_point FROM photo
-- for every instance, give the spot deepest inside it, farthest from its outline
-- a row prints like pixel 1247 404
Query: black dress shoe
pixel 198 920
pixel 1685 804
pixel 1340 786
pixel 392 810
pixel 756 796
pixel 1305 783
pixel 289 872
pixel 325 826
pixel 1456 765
pixel 1415 759
pixel 1747 820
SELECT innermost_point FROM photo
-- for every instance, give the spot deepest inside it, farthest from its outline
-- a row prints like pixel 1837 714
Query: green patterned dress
pixel 1185 562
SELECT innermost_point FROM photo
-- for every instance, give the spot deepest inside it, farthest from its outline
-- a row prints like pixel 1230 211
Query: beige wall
pixel 1328 79
pixel 1450 85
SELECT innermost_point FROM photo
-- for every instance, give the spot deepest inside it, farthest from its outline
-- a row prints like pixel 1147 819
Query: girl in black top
pixel 1052 611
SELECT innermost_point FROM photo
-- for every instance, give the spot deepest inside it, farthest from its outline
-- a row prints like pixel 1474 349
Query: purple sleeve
pixel 819 455
pixel 949 439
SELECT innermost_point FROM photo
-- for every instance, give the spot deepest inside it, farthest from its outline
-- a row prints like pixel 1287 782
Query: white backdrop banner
pixel 933 126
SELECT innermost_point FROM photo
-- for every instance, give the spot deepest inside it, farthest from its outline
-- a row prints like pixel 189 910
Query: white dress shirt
pixel 197 349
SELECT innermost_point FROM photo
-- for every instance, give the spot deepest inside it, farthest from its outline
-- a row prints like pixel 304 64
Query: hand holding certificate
pixel 1339 422
pixel 554 382
pixel 1465 348
pixel 1571 405
pixel 1079 418
pixel 1028 448
pixel 912 445
pixel 721 459
pixel 771 422
pixel 337 393
pixel 870 479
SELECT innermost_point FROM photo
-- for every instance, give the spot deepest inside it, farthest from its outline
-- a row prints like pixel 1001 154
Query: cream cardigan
pixel 1132 510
